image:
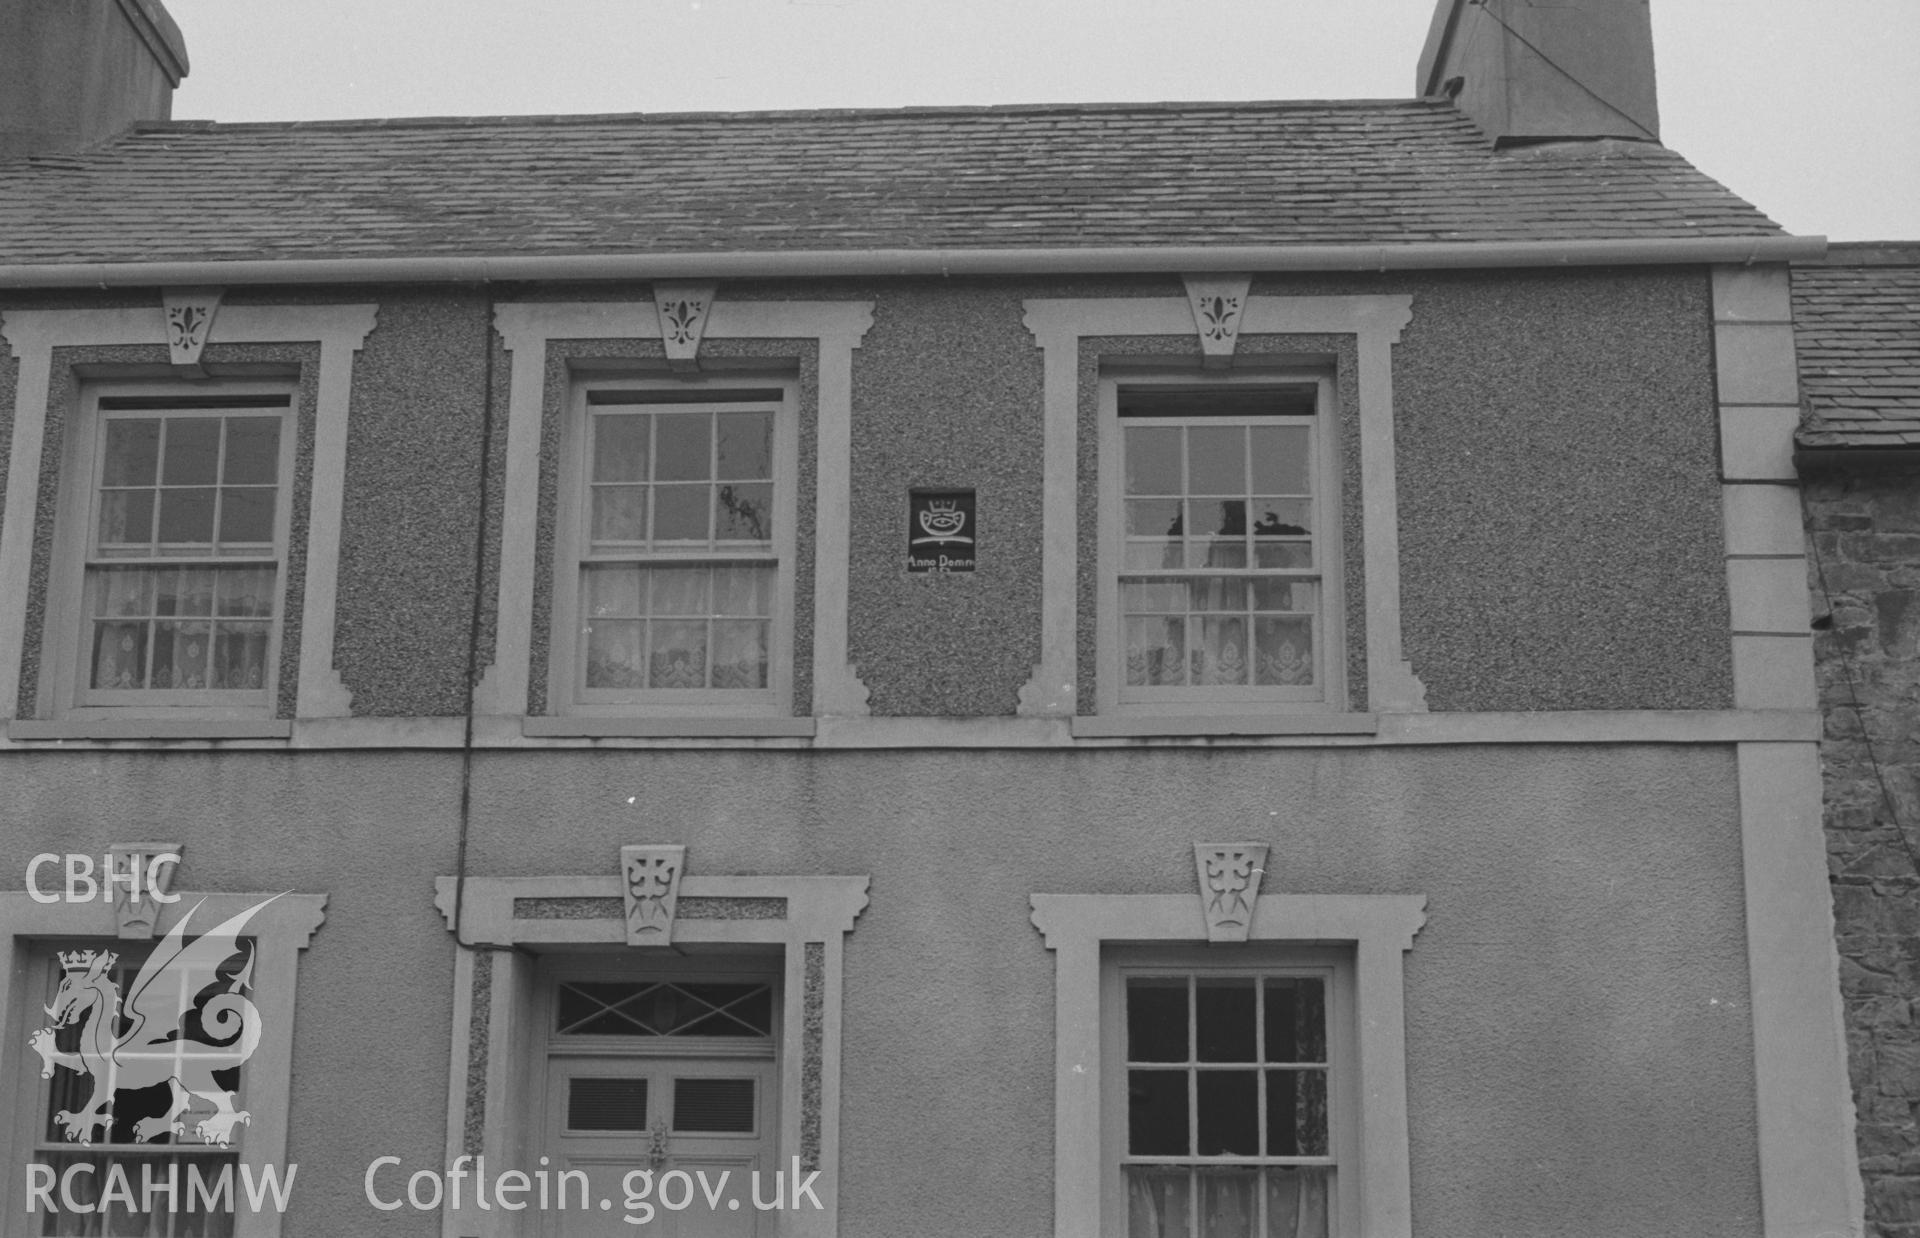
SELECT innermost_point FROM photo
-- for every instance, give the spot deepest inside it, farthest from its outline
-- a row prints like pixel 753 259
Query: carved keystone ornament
pixel 189 314
pixel 139 873
pixel 683 309
pixel 650 882
pixel 1229 885
pixel 1218 302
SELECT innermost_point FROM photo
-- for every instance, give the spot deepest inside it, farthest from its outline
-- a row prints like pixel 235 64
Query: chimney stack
pixel 76 72
pixel 1533 72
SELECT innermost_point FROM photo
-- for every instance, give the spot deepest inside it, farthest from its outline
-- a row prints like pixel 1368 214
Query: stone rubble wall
pixel 1865 575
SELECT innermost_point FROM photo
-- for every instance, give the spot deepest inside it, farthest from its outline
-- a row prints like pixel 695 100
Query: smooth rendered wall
pixel 1579 1058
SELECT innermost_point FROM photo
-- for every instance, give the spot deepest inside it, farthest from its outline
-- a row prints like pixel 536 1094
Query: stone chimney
pixel 76 72
pixel 1527 71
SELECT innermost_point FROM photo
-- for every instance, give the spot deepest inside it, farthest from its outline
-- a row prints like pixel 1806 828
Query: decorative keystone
pixel 137 873
pixel 1219 304
pixel 1229 886
pixel 684 309
pixel 650 881
pixel 189 314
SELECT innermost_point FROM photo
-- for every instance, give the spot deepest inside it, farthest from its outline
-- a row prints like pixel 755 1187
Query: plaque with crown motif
pixel 940 531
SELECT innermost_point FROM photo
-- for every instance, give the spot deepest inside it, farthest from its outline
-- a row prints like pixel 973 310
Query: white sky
pixel 1810 109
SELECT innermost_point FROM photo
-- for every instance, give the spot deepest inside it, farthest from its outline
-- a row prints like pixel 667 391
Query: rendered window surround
pixel 65 659
pixel 525 329
pixel 1328 692
pixel 1058 326
pixel 567 694
pixel 1083 929
pixel 798 925
pixel 340 330
pixel 280 931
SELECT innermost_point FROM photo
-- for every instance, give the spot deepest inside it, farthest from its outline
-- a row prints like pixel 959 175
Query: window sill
pixel 662 727
pixel 29 729
pixel 1125 725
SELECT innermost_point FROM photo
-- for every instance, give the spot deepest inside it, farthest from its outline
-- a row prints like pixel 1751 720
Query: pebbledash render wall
pixel 1541 420
pixel 1864 525
pixel 1579 1058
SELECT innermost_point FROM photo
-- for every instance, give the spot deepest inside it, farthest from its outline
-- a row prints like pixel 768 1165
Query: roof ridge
pixel 914 112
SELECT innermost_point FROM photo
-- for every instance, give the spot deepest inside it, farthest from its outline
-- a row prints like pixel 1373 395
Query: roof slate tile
pixel 1384 172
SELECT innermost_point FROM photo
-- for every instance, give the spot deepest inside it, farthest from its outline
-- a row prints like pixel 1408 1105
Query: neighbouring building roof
pixel 1857 331
pixel 1389 172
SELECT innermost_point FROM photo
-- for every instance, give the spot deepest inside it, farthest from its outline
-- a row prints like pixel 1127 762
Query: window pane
pixel 619 513
pixel 1156 652
pixel 185 591
pixel 1154 518
pixel 126 517
pixel 745 448
pixel 620 446
pixel 679 590
pixel 1220 518
pixel 614 656
pixel 123 591
pixel 680 513
pixel 1229 1199
pixel 1224 1019
pixel 1273 553
pixel 1157 1112
pixel 685 445
pixel 1218 593
pixel 133 451
pixel 1283 651
pixel 1217 460
pixel 180 653
pixel 1157 1020
pixel 1229 1113
pixel 1280 461
pixel 606 1104
pixel 239 655
pixel 743 590
pixel 246 514
pixel 119 655
pixel 610 591
pixel 186 516
pixel 192 451
pixel 1153 459
pixel 1282 517
pixel 245 592
pixel 1158 1201
pixel 1294 595
pixel 743 512
pixel 253 451
pixel 1296 1020
pixel 740 653
pixel 717 1106
pixel 678 657
pixel 1221 657
pixel 1297 1202
pixel 1164 596
pixel 1296 1112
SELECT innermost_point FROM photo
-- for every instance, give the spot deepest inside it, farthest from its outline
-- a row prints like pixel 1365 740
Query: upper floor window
pixel 679 513
pixel 1220 550
pixel 177 534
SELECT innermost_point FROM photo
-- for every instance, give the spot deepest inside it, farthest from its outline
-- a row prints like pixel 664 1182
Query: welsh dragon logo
pixel 148 1039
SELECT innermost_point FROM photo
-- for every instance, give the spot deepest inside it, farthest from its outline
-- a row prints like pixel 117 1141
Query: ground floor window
pixel 1229 1114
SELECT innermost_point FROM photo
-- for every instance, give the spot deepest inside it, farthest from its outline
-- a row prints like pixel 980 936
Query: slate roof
pixel 1857 332
pixel 1386 172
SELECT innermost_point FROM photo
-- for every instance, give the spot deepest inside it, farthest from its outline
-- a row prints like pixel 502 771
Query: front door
pixel 668 1129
